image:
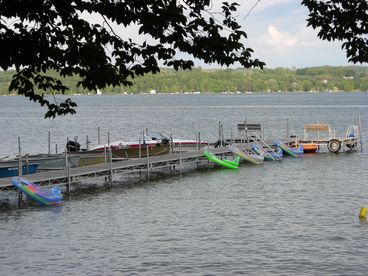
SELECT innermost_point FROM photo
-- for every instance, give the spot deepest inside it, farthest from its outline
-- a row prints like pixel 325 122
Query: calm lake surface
pixel 295 217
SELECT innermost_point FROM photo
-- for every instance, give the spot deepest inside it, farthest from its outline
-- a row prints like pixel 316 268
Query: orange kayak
pixel 310 147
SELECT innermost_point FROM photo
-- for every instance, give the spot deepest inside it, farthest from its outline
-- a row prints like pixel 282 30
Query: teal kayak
pixel 231 164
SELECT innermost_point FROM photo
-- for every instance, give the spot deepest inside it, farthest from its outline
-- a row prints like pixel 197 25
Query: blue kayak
pixel 295 152
pixel 269 155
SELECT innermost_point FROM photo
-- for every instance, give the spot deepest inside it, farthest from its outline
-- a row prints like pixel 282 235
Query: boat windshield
pixel 154 135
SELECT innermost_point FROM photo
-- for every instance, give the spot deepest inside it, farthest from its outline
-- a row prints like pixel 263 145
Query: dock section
pixel 110 170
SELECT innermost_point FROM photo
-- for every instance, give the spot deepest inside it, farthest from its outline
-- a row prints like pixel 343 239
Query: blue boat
pixel 8 169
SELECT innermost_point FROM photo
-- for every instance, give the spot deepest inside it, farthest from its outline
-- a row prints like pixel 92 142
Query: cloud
pixel 278 39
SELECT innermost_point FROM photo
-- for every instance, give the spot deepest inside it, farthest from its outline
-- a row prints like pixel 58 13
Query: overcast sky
pixel 278 34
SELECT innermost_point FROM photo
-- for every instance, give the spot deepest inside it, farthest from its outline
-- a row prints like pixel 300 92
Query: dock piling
pixel 180 156
pixel 360 133
pixel 49 143
pixel 19 171
pixel 68 172
pixel 110 158
pixel 148 164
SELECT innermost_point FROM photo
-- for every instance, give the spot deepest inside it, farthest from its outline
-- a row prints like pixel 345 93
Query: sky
pixel 278 33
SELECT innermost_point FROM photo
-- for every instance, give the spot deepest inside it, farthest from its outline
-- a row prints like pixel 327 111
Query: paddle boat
pixel 269 154
pixel 295 152
pixel 44 197
pixel 231 164
pixel 252 158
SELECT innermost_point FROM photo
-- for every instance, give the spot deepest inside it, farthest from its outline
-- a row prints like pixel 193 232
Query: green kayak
pixel 231 164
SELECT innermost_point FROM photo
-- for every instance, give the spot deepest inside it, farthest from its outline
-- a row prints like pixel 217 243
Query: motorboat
pixel 162 136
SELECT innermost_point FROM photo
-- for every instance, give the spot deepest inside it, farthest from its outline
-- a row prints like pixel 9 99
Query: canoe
pixel 252 158
pixel 8 169
pixel 295 152
pixel 269 155
pixel 44 197
pixel 231 164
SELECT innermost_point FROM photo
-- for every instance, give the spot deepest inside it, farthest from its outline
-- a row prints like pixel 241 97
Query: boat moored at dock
pixel 250 157
pixel 269 153
pixel 11 168
pixel 295 152
pixel 52 161
pixel 230 164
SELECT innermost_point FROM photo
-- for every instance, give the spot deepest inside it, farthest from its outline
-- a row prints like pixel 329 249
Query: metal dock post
pixel 148 168
pixel 49 143
pixel 360 133
pixel 20 197
pixel 180 156
pixel 110 159
pixel 68 172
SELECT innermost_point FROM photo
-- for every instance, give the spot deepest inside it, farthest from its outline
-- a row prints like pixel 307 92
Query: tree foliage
pixel 37 36
pixel 344 20
pixel 324 78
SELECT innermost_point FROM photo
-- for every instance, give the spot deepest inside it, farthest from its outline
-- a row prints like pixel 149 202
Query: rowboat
pixel 44 197
pixel 52 161
pixel 231 164
pixel 134 149
pixel 11 168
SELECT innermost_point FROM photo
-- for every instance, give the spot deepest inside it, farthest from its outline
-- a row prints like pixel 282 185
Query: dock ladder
pixel 257 140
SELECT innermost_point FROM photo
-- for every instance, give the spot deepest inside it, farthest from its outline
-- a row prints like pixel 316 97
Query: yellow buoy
pixel 363 213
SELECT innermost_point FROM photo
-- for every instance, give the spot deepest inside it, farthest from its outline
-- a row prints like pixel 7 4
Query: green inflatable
pixel 231 164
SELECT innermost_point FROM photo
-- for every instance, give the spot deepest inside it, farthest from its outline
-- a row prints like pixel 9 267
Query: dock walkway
pixel 60 177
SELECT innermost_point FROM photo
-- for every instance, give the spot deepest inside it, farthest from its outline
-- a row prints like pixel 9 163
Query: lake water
pixel 295 217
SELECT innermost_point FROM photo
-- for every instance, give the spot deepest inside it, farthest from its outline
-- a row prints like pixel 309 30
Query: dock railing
pixel 318 129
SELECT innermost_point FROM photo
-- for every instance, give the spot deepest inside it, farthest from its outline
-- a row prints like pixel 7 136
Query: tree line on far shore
pixel 324 78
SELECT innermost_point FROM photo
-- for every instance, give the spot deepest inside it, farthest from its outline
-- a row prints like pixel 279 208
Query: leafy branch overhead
pixel 42 35
pixel 343 20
